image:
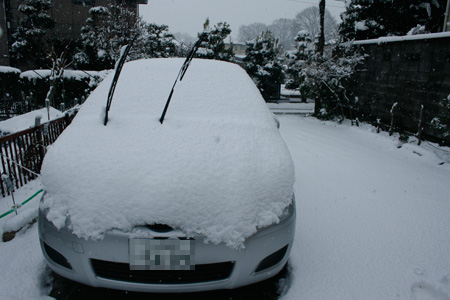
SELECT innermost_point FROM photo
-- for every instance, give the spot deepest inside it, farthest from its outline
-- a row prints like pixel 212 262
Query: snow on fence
pixel 22 153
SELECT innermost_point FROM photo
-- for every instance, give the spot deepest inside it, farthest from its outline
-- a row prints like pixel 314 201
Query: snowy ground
pixel 373 219
pixel 286 107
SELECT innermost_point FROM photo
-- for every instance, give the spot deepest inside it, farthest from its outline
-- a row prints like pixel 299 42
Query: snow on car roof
pixel 217 167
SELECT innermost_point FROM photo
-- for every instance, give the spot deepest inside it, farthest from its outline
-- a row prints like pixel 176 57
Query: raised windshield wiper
pixel 119 66
pixel 183 70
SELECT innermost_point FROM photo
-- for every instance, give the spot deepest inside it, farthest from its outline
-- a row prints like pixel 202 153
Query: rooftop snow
pixel 217 167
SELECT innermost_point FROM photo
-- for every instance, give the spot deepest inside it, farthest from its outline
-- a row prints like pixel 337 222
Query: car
pixel 201 201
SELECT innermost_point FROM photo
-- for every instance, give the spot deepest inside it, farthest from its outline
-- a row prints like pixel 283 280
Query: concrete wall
pixel 412 71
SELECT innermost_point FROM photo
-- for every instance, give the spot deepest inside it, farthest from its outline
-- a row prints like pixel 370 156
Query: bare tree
pixel 58 64
pixel 185 38
pixel 251 31
pixel 309 20
pixel 284 31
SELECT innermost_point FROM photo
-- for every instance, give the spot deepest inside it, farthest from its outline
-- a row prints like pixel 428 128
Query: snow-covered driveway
pixel 373 220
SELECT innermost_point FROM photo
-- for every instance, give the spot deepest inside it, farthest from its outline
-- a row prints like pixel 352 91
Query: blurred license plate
pixel 162 254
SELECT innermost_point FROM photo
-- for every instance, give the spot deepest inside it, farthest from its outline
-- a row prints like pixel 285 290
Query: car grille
pixel 122 272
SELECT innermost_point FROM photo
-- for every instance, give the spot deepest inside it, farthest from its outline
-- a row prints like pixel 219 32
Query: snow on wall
pixel 72 74
pixel 5 69
pixel 217 167
pixel 389 39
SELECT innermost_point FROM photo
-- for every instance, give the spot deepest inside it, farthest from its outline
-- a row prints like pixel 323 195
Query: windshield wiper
pixel 119 66
pixel 183 70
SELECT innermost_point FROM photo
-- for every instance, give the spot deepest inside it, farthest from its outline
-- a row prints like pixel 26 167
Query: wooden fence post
pixel 39 142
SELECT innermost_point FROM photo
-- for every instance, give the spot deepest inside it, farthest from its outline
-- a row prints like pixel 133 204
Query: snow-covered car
pixel 201 201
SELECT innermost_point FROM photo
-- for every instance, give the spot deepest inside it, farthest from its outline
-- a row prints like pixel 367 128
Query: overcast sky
pixel 189 15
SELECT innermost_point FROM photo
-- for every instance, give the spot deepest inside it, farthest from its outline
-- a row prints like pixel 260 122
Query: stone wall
pixel 411 71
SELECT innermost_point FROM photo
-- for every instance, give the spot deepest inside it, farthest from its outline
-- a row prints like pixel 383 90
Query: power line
pixel 298 1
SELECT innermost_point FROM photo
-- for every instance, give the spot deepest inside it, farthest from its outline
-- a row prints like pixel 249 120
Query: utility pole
pixel 446 19
pixel 321 43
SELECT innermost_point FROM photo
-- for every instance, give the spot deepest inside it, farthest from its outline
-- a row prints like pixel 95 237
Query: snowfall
pixel 373 219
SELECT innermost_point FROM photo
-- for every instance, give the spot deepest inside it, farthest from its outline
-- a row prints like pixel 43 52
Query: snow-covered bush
pixel 31 38
pixel 213 45
pixel 110 28
pixel 74 87
pixel 368 19
pixel 419 29
pixel 261 63
pixel 442 124
pixel 105 32
pixel 154 41
pixel 8 88
pixel 296 61
pixel 328 78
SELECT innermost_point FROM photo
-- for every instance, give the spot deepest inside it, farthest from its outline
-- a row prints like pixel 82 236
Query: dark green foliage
pixel 213 46
pixel 8 90
pixel 262 65
pixel 23 92
pixel 71 89
pixel 296 60
pixel 367 19
pixel 106 31
pixel 154 41
pixel 327 77
pixel 31 37
pixel 442 124
pixel 110 28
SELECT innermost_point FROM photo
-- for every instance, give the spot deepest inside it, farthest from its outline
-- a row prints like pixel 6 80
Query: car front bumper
pixel 105 263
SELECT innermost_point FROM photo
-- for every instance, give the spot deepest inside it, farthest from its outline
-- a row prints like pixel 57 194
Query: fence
pixel 22 153
pixel 412 71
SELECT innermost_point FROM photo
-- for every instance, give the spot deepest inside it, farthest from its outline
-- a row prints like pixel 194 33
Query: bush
pixel 24 92
pixel 9 91
pixel 74 88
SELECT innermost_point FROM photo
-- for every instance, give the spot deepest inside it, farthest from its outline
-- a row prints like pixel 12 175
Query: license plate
pixel 162 254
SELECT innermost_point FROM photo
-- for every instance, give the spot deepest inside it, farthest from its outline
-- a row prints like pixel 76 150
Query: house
pixel 238 48
pixel 70 17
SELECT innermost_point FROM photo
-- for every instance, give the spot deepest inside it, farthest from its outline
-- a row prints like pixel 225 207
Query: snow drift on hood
pixel 217 167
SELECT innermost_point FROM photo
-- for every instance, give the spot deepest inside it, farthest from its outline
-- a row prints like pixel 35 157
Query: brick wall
pixel 412 71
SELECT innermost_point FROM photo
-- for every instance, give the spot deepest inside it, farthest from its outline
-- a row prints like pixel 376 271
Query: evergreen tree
pixel 154 41
pixel 296 61
pixel 213 45
pixel 109 29
pixel 31 37
pixel 367 19
pixel 106 31
pixel 262 65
